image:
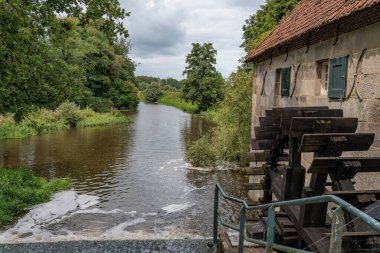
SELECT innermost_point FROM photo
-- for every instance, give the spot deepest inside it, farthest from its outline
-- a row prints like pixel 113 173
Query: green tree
pixel 35 72
pixel 203 83
pixel 258 26
pixel 153 92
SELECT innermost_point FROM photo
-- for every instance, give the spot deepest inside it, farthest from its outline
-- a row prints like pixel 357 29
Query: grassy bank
pixel 20 189
pixel 47 121
pixel 174 99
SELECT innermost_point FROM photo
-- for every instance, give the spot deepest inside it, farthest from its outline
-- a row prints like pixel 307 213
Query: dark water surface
pixel 129 180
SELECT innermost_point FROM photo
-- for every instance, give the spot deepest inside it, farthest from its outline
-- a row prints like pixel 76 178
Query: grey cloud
pixel 161 32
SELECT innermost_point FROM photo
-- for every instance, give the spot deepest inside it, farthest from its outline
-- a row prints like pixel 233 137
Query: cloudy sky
pixel 161 32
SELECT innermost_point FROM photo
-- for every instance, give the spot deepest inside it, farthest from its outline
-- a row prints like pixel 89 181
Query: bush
pixel 99 104
pixel 20 189
pixel 229 140
pixel 104 119
pixel 45 121
pixel 201 153
pixel 124 95
pixel 88 112
pixel 153 93
pixel 70 113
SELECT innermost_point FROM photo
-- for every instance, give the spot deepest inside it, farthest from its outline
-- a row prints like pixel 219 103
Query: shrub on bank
pixel 45 121
pixel 103 120
pixel 20 189
pixel 98 104
pixel 174 99
pixel 70 113
pixel 153 93
pixel 201 153
pixel 230 139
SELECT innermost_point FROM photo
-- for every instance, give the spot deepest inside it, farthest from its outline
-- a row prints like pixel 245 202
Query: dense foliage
pixel 259 25
pixel 153 92
pixel 44 121
pixel 230 139
pixel 58 50
pixel 167 84
pixel 203 83
pixel 20 189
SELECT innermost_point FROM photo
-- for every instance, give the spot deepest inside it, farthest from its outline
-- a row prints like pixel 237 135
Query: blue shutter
pixel 338 77
pixel 285 82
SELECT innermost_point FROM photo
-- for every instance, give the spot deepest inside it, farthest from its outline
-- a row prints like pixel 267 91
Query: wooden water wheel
pixel 283 135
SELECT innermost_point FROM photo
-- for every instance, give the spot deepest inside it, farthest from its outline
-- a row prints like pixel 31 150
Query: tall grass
pixel 20 189
pixel 65 116
pixel 174 99
pixel 103 120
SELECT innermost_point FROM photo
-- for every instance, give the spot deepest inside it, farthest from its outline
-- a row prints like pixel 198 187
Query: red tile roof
pixel 308 16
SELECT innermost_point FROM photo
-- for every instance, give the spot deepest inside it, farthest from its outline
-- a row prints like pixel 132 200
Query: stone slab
pixel 135 246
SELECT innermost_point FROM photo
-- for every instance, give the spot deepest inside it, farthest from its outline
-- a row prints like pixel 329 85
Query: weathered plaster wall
pixel 307 89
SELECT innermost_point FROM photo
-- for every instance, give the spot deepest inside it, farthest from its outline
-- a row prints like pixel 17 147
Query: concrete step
pixel 135 246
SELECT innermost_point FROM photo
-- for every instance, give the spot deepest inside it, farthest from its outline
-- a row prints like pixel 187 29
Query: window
pixel 277 83
pixel 323 76
pixel 285 82
pixel 337 77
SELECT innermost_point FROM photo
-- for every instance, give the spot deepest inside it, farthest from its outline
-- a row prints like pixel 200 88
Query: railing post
pixel 337 230
pixel 216 217
pixel 242 229
pixel 270 229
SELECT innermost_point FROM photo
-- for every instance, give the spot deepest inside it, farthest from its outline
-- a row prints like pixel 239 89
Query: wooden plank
pixel 312 235
pixel 300 108
pixel 253 186
pixel 333 164
pixel 261 144
pixel 357 234
pixel 362 196
pixel 266 132
pixel 309 125
pixel 352 141
pixel 269 113
pixel 288 115
pixel 257 156
pixel 265 135
pixel 256 171
pixel 268 121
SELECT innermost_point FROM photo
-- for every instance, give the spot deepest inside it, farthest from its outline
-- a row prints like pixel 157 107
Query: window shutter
pixel 338 77
pixel 285 82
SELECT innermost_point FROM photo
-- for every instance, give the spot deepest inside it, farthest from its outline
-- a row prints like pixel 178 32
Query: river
pixel 129 181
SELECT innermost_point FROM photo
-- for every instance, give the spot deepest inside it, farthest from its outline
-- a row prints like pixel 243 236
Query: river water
pixel 129 181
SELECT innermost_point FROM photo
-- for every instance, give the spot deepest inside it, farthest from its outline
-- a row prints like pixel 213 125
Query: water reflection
pixel 139 167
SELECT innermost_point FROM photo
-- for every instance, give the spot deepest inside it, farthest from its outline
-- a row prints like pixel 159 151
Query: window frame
pixel 338 70
pixel 285 91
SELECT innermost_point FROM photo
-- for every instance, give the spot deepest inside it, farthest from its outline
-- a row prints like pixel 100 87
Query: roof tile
pixel 307 16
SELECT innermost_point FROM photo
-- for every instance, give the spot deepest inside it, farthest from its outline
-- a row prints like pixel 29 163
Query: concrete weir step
pixel 135 246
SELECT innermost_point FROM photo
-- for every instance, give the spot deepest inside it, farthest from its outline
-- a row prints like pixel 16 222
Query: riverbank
pixel 174 99
pixel 47 121
pixel 20 189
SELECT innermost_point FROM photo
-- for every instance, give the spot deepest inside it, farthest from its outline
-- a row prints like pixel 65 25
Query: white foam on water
pixel 150 214
pixel 31 225
pixel 177 207
pixel 120 228
pixel 100 211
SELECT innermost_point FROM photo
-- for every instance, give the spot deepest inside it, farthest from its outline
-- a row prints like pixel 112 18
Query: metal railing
pixel 336 225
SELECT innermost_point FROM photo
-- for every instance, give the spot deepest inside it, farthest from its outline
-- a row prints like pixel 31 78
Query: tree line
pixel 64 50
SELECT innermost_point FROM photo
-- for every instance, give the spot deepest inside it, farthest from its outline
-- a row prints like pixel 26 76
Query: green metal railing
pixel 336 226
